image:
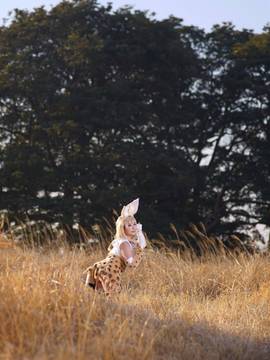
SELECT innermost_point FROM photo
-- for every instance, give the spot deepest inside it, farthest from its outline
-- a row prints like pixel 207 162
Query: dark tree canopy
pixel 99 107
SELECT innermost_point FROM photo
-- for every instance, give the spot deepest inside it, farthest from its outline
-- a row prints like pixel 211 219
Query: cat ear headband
pixel 130 209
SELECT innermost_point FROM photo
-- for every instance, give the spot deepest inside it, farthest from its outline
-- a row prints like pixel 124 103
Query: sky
pixel 251 14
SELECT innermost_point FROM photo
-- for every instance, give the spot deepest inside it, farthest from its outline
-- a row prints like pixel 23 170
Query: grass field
pixel 172 307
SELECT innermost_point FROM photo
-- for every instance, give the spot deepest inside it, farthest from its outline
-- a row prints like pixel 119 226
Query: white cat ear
pixel 123 211
pixel 131 208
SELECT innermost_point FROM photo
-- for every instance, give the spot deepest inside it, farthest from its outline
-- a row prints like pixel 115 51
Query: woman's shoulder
pixel 119 241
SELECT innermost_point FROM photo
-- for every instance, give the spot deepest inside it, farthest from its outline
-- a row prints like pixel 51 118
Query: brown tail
pixel 91 272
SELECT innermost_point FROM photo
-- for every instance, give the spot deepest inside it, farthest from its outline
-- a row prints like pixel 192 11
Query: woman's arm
pixel 141 238
pixel 126 252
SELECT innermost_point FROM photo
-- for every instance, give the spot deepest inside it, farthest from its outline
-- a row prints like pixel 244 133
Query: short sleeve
pixel 121 241
pixel 116 245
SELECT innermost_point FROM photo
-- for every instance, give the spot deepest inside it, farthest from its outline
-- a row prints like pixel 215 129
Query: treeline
pixel 98 107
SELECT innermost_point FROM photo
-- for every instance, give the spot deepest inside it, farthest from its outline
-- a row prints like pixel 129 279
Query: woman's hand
pixel 139 227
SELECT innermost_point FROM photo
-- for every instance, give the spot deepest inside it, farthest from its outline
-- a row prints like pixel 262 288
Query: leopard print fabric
pixel 138 254
pixel 106 274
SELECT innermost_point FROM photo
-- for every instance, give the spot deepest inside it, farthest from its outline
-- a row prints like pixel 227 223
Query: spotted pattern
pixel 138 254
pixel 105 275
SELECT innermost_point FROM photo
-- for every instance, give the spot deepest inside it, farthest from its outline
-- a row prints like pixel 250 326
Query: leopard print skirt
pixel 105 275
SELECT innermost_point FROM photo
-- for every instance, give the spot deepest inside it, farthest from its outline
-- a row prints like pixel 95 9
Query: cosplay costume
pixel 107 272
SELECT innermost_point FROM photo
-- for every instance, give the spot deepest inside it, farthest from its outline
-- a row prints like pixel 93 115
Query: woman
pixel 126 250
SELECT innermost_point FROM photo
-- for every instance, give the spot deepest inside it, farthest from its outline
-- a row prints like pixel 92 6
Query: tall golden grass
pixel 174 306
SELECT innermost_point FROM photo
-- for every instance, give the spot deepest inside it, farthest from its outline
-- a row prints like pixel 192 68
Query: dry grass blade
pixel 175 304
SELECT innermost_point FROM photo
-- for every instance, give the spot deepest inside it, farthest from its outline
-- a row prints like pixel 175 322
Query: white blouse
pixel 117 242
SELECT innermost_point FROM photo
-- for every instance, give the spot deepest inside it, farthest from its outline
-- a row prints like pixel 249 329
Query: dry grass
pixel 172 307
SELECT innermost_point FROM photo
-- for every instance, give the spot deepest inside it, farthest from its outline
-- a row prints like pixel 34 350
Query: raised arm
pixel 141 237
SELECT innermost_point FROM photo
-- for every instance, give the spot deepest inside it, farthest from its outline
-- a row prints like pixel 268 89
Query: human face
pixel 130 228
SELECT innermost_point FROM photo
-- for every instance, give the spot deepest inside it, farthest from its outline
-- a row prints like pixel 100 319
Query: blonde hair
pixel 120 228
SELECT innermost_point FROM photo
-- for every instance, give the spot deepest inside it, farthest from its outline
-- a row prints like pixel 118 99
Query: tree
pixel 87 96
pixel 99 107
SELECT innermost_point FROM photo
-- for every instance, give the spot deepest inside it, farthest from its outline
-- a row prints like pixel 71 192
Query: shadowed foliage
pixel 98 107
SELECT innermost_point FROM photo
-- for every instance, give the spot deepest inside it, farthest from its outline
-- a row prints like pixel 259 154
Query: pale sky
pixel 251 14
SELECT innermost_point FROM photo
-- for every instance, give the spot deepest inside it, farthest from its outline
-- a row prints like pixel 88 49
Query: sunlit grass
pixel 174 306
